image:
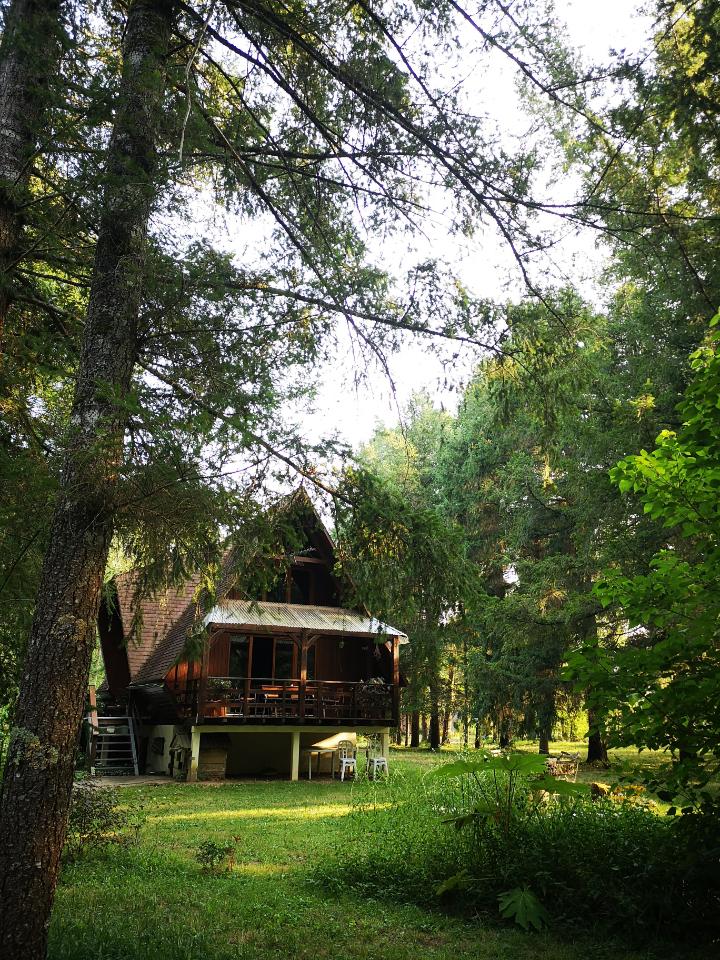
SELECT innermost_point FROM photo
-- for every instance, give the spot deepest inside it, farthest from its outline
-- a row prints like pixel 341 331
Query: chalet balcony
pixel 230 700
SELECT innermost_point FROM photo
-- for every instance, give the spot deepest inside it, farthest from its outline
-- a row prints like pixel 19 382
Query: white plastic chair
pixel 347 757
pixel 376 762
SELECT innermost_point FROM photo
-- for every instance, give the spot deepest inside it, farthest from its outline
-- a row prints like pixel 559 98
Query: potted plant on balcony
pixel 373 698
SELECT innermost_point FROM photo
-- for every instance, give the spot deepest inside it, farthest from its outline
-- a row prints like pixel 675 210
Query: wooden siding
pixel 219 660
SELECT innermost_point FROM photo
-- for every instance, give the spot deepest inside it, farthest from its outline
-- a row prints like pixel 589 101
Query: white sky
pixel 594 27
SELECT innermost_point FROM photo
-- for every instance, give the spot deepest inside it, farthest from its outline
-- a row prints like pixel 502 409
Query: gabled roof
pixel 169 618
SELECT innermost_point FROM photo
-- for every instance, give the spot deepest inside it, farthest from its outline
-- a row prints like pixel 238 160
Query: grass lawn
pixel 152 900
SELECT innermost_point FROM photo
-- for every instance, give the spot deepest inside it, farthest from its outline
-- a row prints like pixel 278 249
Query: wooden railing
pixel 186 697
pixel 267 700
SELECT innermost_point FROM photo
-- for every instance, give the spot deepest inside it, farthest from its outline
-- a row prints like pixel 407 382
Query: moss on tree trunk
pixel 39 768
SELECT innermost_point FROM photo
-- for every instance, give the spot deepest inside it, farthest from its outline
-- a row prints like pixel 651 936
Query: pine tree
pixel 39 765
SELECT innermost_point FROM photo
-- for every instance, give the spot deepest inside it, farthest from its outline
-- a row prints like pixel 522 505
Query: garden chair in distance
pixel 564 767
pixel 347 756
pixel 375 759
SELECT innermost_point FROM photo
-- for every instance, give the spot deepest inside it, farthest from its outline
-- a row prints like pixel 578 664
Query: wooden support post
pixel 202 690
pixel 93 720
pixel 385 736
pixel 396 680
pixel 92 697
pixel 294 755
pixel 304 644
pixel 194 756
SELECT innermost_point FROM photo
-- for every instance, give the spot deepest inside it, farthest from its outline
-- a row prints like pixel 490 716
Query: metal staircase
pixel 113 750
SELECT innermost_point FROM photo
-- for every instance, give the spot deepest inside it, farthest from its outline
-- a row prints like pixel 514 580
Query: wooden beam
pixel 202 687
pixel 304 644
pixel 92 697
pixel 396 679
pixel 93 718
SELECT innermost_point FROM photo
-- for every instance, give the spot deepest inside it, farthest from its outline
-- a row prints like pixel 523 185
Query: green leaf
pixel 521 905
pixel 561 787
pixel 518 763
pixel 458 768
pixel 458 881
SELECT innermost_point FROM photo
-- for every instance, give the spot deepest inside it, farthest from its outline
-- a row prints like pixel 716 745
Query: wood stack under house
pixel 274 675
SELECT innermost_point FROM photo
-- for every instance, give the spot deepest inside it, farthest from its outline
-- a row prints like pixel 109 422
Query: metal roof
pixel 251 614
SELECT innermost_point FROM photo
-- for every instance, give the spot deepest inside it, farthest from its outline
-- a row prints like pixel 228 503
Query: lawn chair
pixel 565 766
pixel 375 759
pixel 347 757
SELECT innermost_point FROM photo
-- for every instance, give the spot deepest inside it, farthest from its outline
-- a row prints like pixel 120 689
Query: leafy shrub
pixel 496 837
pixel 214 856
pixel 97 819
pixel 393 833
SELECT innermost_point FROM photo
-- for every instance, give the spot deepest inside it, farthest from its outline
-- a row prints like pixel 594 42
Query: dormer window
pixel 301 585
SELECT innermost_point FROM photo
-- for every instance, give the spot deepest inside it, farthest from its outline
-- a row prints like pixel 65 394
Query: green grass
pixel 152 901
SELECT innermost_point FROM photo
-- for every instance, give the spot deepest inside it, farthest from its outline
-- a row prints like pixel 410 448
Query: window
pixel 284 659
pixel 262 658
pixel 266 658
pixel 300 585
pixel 238 664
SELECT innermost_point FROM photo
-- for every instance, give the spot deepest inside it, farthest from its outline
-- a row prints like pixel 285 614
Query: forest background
pixel 147 373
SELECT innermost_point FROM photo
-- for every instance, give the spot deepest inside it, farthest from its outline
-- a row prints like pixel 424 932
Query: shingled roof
pixel 157 616
pixel 189 613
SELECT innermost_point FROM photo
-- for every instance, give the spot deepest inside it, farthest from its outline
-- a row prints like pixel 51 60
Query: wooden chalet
pixel 276 674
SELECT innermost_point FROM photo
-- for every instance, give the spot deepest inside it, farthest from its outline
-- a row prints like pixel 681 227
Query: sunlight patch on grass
pixel 260 869
pixel 257 813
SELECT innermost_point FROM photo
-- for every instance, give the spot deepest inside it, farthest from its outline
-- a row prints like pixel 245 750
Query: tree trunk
pixel 544 743
pixel 503 731
pixel 39 768
pixel 424 727
pixel 434 729
pixel 448 705
pixel 466 700
pixel 597 751
pixel 29 55
pixel 415 729
pixel 477 734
